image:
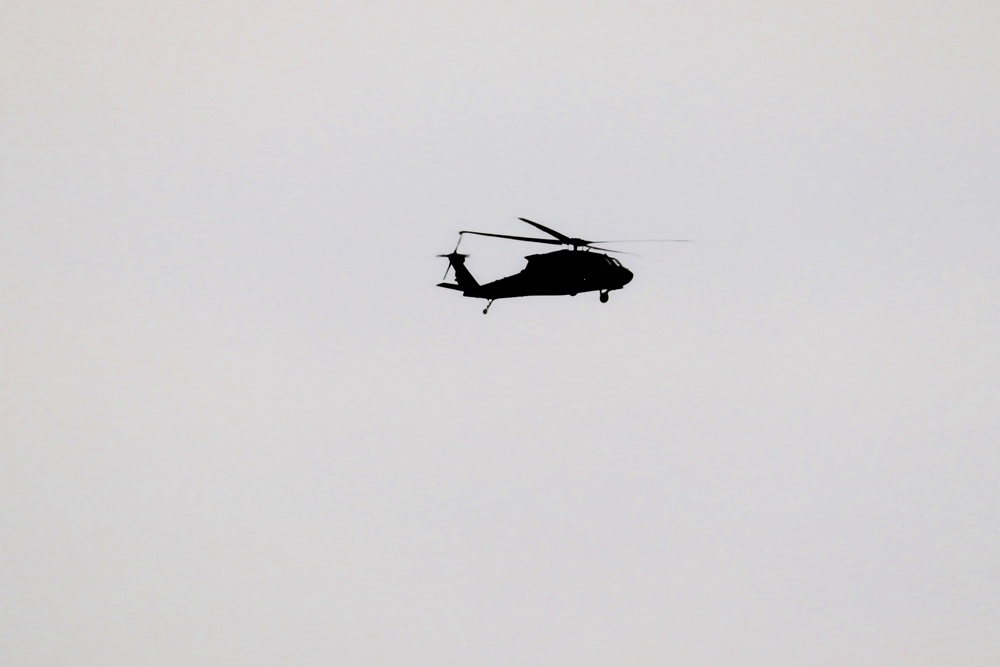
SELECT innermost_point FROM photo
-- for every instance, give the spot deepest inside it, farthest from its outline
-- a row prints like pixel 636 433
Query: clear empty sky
pixel 240 426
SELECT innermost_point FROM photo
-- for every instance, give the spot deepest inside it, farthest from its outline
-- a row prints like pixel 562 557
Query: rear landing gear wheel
pixel 487 308
pixel 604 297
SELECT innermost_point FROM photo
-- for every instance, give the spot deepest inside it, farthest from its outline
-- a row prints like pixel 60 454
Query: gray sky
pixel 240 426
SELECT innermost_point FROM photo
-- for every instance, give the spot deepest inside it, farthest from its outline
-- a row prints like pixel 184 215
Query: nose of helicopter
pixel 626 276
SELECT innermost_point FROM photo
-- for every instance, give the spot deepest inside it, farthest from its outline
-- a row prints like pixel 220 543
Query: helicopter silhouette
pixel 565 272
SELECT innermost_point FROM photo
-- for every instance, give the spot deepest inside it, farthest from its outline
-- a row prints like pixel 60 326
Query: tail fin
pixel 466 282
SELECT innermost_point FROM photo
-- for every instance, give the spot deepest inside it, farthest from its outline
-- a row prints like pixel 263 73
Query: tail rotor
pixel 452 255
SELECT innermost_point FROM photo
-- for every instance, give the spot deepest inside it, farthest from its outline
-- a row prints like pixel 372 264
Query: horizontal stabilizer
pixel 450 286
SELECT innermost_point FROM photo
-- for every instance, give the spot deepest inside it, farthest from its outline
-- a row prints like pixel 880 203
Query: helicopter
pixel 565 272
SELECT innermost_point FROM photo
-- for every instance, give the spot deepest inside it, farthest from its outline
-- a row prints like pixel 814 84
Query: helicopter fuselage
pixel 563 272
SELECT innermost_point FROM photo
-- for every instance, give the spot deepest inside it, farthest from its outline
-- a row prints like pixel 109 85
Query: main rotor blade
pixel 516 238
pixel 645 241
pixel 617 252
pixel 561 237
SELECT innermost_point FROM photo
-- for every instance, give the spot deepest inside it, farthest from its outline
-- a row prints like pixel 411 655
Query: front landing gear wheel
pixel 604 297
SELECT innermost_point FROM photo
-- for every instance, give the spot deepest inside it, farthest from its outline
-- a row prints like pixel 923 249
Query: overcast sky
pixel 239 424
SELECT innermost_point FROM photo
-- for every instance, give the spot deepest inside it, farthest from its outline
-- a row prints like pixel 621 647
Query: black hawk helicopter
pixel 563 272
